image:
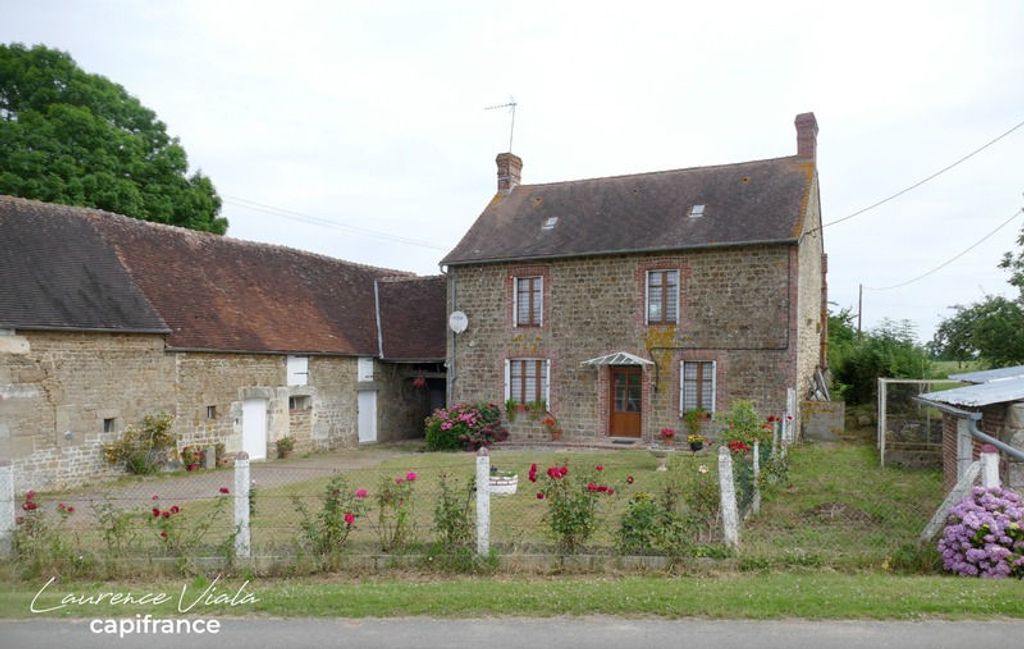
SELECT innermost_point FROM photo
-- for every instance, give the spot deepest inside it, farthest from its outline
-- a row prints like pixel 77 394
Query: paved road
pixel 513 633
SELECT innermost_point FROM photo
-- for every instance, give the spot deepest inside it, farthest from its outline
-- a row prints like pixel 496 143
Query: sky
pixel 370 116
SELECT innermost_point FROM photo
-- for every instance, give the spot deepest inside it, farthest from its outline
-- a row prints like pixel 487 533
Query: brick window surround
pixel 661 303
pixel 528 298
pixel 698 384
pixel 643 270
pixel 541 272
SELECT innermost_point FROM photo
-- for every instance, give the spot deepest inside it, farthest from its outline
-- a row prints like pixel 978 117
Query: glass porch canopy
pixel 618 358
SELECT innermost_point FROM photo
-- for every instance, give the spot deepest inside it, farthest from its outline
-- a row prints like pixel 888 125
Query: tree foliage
pixel 67 136
pixel 1014 262
pixel 857 361
pixel 991 330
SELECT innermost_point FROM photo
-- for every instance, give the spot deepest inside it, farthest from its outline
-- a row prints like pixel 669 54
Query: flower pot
pixel 282 454
pixel 661 453
pixel 696 446
pixel 502 485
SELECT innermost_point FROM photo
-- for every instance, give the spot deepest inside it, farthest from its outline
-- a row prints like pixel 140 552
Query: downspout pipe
pixel 972 425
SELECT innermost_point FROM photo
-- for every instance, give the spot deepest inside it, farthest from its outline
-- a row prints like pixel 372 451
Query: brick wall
pixel 734 308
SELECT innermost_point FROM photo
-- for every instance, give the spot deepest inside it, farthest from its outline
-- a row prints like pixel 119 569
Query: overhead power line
pixel 327 223
pixel 951 259
pixel 924 180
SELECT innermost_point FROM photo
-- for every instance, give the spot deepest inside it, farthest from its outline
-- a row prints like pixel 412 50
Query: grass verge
pixel 750 596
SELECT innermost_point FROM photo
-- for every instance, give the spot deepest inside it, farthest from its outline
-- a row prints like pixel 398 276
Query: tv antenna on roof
pixel 511 106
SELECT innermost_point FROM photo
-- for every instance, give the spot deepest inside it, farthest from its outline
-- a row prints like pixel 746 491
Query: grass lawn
pixel 755 596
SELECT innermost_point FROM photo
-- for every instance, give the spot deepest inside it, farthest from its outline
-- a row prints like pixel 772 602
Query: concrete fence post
pixel 243 544
pixel 483 502
pixel 989 467
pixel 7 508
pixel 727 489
pixel 755 506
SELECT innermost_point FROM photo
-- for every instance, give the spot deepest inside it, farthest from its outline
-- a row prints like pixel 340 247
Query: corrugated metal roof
pixel 982 394
pixel 618 358
pixel 1017 371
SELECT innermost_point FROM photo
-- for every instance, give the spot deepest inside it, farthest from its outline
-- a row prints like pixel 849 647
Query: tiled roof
pixel 413 316
pixel 57 272
pixel 761 201
pixel 95 269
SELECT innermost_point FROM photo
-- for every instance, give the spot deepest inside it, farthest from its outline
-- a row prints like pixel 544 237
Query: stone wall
pixel 737 307
pixel 810 297
pixel 56 390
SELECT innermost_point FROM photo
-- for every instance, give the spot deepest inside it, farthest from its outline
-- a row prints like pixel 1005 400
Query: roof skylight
pixel 697 210
pixel 550 223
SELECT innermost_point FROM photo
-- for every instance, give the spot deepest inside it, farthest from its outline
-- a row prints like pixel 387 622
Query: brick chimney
pixel 510 171
pixel 806 136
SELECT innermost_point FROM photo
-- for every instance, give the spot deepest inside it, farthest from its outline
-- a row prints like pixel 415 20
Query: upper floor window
pixel 698 385
pixel 662 296
pixel 529 301
pixel 526 380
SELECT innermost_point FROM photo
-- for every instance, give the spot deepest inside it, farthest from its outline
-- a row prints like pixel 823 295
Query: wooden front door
pixel 626 395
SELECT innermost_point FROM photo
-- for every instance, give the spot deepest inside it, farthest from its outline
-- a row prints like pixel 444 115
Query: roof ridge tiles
pixel 661 171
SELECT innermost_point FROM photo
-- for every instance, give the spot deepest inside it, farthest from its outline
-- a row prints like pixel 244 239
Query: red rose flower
pixel 533 473
pixel 224 490
pixel 602 488
pixel 165 514
pixel 30 494
pixel 70 510
pixel 349 518
pixel 156 497
pixel 599 467
pixel 175 509
pixel 591 486
pixel 163 534
pixel 540 495
pixel 629 479
pixel 29 505
pixel 156 512
pixel 411 476
pixel 611 492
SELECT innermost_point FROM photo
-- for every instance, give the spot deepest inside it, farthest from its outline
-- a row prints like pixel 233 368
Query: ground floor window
pixel 526 380
pixel 697 387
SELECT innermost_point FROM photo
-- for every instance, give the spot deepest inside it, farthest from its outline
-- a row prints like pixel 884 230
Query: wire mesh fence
pixel 909 431
pixel 834 505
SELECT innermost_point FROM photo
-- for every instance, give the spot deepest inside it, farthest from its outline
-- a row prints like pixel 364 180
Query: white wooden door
pixel 254 428
pixel 367 416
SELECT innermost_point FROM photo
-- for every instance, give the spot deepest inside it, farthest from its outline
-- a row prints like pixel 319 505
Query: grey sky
pixel 370 114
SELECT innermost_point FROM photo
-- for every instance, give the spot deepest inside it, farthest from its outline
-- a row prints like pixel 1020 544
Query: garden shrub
pixel 326 533
pixel 394 511
pixel 466 426
pixel 984 536
pixel 45 547
pixel 573 502
pixel 143 450
pixel 453 514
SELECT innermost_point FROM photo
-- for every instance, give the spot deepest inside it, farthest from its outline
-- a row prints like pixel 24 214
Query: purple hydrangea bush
pixel 984 536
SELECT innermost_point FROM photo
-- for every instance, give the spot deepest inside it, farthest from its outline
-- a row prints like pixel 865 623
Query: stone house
pixel 995 401
pixel 105 319
pixel 619 303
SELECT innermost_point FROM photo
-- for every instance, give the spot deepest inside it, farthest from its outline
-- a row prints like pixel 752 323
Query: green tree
pixel 1014 262
pixel 67 136
pixel 991 330
pixel 857 362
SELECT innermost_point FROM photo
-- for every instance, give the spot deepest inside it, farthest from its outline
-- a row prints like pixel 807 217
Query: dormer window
pixel 697 211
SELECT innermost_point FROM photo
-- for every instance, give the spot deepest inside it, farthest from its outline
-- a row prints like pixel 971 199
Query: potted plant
pixel 502 483
pixel 694 419
pixel 511 410
pixel 538 409
pixel 285 446
pixel 662 446
pixel 192 457
pixel 696 441
pixel 554 430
